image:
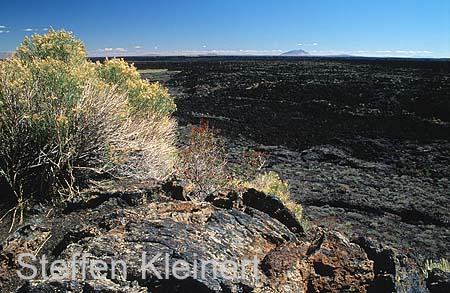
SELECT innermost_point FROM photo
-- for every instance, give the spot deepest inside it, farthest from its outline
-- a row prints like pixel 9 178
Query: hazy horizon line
pixel 241 54
pixel 413 54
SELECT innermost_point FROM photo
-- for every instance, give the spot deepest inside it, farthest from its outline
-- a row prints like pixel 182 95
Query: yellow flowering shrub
pixel 142 95
pixel 65 120
pixel 57 45
pixel 56 64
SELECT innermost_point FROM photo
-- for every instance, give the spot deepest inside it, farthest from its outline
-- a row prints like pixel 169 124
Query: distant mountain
pixel 298 52
pixel 212 54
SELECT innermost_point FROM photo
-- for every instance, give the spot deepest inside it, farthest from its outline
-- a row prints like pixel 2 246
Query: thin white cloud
pixel 109 51
pixel 413 52
pixel 307 44
pixel 45 29
pixel 29 29
pixel 378 53
pixel 2 26
pixel 138 47
pixel 204 46
pixel 112 50
pixel 329 52
pixel 219 52
pixel 4 31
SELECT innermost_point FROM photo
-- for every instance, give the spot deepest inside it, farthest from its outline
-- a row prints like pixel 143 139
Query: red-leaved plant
pixel 203 162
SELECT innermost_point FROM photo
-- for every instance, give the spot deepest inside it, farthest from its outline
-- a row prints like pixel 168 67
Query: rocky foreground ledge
pixel 132 221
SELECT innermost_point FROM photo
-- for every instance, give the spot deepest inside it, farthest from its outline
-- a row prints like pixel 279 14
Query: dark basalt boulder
pixel 119 230
pixel 393 271
pixel 273 207
pixel 188 231
pixel 438 281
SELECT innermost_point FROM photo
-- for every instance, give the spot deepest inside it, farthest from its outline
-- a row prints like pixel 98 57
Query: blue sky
pixel 268 27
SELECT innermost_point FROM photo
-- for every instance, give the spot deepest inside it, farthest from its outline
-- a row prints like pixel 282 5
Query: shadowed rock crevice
pixel 393 272
pixel 323 270
pixel 73 237
pixel 273 207
pixel 188 285
pixel 438 281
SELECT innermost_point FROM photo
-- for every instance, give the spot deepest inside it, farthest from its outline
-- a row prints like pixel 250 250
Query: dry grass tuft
pixel 271 183
pixel 443 265
pixel 123 144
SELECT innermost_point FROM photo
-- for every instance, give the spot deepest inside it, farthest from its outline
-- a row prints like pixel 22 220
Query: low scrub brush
pixel 65 121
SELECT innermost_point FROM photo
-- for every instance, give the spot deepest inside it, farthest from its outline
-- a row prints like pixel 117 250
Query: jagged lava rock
pixel 289 262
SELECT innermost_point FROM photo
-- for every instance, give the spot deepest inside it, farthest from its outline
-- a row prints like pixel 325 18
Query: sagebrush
pixel 65 120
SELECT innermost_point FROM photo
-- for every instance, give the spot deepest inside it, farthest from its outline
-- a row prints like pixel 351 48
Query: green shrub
pixel 64 121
